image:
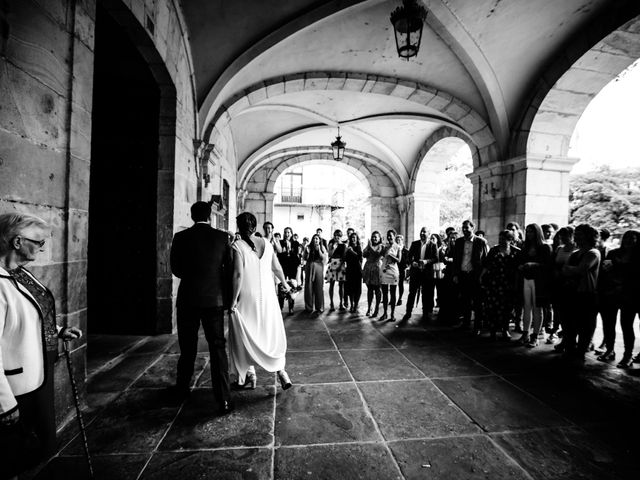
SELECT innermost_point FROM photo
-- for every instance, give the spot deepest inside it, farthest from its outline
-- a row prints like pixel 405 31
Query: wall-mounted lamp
pixel 493 190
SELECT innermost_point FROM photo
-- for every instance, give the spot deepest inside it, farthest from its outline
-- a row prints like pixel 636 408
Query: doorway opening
pixel 123 186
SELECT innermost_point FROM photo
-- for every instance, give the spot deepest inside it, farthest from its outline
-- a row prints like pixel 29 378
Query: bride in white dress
pixel 256 329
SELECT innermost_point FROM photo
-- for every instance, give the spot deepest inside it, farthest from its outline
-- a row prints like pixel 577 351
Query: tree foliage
pixel 606 198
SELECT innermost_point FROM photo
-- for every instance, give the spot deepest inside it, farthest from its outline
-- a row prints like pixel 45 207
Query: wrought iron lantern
pixel 338 147
pixel 407 21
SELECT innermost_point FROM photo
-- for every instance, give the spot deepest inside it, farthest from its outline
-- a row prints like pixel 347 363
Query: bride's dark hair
pixel 247 223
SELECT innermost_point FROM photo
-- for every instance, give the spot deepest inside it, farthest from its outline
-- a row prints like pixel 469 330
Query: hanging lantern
pixel 407 22
pixel 338 147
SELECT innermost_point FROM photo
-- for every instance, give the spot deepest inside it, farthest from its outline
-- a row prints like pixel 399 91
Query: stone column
pixel 268 205
pixel 403 208
pixel 521 189
pixel 384 214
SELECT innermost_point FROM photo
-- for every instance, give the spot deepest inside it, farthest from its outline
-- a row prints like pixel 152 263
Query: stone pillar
pixel 268 205
pixel 384 214
pixel 403 208
pixel 521 189
pixel 423 211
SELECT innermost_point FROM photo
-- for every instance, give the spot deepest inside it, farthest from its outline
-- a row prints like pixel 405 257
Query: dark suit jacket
pixel 431 253
pixel 478 253
pixel 200 258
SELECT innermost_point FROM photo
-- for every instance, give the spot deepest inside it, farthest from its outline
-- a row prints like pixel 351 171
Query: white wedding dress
pixel 256 329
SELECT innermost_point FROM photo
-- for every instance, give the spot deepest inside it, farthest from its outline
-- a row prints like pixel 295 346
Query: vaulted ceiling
pixel 264 62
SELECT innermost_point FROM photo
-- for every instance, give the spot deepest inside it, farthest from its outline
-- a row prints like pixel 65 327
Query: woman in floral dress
pixel 498 281
pixel 336 269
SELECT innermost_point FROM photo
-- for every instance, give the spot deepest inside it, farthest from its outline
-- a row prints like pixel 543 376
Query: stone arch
pixel 423 206
pixel 573 80
pixel 435 137
pixel 463 117
pixel 284 158
pixel 256 190
pixel 536 179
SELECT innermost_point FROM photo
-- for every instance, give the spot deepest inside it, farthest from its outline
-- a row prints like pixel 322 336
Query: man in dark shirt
pixel 200 258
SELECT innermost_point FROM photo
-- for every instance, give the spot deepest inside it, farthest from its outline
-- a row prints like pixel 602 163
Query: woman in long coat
pixel 315 257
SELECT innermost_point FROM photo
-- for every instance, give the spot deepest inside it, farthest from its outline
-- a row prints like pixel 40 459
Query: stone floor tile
pixel 358 339
pixel 469 458
pixel 155 344
pixel 316 367
pixel 134 423
pixel 302 322
pixel 250 463
pixel 414 409
pixel 511 358
pixel 351 322
pixel 102 348
pixel 121 375
pixel 109 467
pixel 497 405
pixel 443 362
pixel 199 426
pixel 385 364
pixel 162 374
pixel 310 414
pixel 411 337
pixel 328 462
pixel 560 454
pixel 308 341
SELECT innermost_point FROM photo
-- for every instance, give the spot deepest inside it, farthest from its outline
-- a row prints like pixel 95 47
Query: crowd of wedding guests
pixel 550 283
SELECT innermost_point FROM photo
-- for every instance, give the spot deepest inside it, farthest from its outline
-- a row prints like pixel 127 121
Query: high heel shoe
pixel 368 314
pixel 285 381
pixel 251 381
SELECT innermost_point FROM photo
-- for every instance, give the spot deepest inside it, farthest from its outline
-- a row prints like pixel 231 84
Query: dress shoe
pixel 285 381
pixel 607 356
pixel 251 381
pixel 626 361
pixel 383 317
pixel 368 314
pixel 226 407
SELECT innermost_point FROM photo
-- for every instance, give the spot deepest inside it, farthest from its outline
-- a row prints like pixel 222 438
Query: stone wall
pixel 46 80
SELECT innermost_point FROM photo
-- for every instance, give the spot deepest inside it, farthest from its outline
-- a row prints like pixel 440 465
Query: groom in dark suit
pixel 200 258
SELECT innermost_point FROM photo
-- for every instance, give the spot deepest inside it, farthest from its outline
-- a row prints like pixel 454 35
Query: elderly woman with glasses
pixel 28 347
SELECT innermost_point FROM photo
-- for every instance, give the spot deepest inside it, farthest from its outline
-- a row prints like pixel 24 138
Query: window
pixel 300 217
pixel 292 187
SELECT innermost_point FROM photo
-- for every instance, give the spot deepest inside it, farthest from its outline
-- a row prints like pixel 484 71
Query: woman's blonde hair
pixel 11 224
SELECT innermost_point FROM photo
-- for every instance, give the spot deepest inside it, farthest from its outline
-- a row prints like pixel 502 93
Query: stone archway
pixel 424 200
pixel 256 188
pixel 535 181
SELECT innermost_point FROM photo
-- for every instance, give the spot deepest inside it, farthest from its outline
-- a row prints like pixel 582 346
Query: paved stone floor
pixel 370 401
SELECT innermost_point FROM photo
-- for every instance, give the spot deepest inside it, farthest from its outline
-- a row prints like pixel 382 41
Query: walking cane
pixel 76 400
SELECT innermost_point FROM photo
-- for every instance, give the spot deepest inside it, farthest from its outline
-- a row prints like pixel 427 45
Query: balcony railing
pixel 291 195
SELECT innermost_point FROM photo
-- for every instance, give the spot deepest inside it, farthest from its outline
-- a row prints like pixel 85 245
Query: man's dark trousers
pixel 420 279
pixel 469 287
pixel 212 319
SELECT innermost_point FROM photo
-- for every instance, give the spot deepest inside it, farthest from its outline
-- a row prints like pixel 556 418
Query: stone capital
pixel 268 196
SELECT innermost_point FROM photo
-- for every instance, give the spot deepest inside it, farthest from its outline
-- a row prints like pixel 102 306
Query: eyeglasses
pixel 40 243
